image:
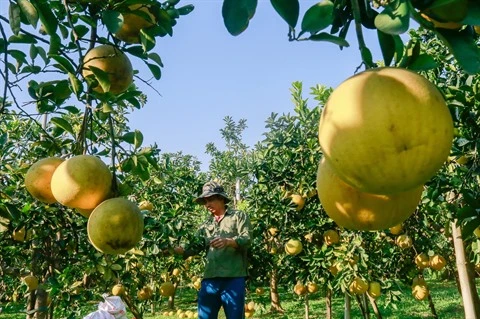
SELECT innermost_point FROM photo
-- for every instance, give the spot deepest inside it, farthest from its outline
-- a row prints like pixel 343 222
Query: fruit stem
pixel 358 29
pixel 114 176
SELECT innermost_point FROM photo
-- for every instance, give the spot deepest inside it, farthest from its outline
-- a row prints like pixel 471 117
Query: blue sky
pixel 210 74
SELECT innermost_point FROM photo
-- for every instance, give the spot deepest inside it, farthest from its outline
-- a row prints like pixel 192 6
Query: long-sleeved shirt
pixel 227 261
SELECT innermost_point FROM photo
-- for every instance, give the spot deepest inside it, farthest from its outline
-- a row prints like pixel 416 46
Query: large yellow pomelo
pixel 354 209
pixel 145 293
pixel 31 282
pixel 133 21
pixel 437 262
pixel 420 291
pixel 167 289
pixel 386 130
pixel 293 247
pixel 374 289
pixel 112 61
pixel 358 286
pixel 19 234
pixel 39 177
pixel 422 261
pixel 115 226
pixel 82 181
pixel 298 201
pixel 118 290
pixel 331 237
pixel 300 289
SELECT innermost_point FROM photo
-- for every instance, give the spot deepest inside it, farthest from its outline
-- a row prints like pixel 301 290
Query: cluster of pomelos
pixel 359 286
pixel 384 132
pixel 181 313
pixel 84 183
pixel 250 308
pixel 294 246
pixel 300 289
pixel 108 68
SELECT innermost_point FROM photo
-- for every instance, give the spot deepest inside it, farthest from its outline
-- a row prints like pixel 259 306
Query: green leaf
pixel 237 14
pixel 22 38
pixel 135 138
pixel 318 17
pixel 102 78
pixel 107 108
pixel 62 91
pixel 394 20
pixel 81 30
pixel 147 39
pixel 466 212
pixel 33 52
pixel 367 57
pixel 49 20
pixel 323 36
pixel 63 124
pixel 29 11
pixel 113 20
pixel 185 9
pixel 14 18
pixel 463 47
pixel 470 226
pixel 155 69
pixel 55 44
pixel 116 267
pixel 127 165
pixel 387 45
pixel 75 83
pixel 288 10
pixel 156 58
pixel 18 55
pixel 412 51
pixel 422 62
pixel 64 64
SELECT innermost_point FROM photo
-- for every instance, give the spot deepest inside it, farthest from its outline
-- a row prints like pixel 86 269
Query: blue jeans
pixel 215 292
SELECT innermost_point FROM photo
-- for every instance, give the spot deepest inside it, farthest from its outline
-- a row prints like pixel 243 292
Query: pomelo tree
pixel 80 105
pixel 450 21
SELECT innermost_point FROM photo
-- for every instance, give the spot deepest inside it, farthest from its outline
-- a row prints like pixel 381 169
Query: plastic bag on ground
pixel 99 314
pixel 114 306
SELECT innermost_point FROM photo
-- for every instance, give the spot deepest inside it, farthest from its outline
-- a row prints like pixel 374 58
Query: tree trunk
pixel 432 306
pixel 364 299
pixel 41 304
pixel 274 296
pixel 131 306
pixel 31 305
pixel 361 305
pixel 348 309
pixel 471 303
pixel 375 307
pixel 171 299
pixel 328 303
pixel 307 308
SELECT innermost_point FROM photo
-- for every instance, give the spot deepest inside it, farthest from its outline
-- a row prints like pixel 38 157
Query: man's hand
pixel 223 242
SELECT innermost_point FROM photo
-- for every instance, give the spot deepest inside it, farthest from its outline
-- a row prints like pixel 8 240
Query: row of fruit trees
pixel 86 208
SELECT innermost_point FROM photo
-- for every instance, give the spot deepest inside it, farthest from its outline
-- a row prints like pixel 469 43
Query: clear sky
pixel 209 74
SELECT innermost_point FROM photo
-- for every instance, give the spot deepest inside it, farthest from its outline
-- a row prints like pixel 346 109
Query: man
pixel 225 237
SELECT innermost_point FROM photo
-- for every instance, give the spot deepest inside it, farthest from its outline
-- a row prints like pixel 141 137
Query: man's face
pixel 215 204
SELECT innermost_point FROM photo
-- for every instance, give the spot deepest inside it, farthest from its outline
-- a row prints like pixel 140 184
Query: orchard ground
pixel 448 304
